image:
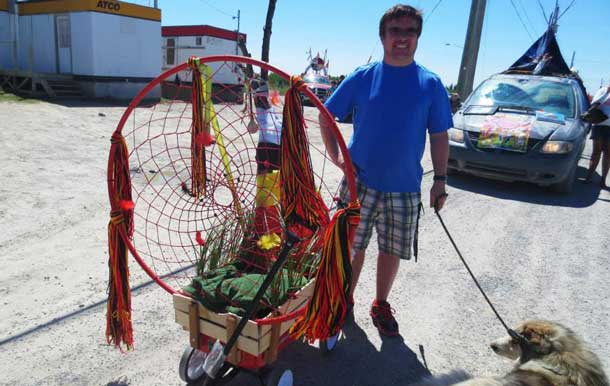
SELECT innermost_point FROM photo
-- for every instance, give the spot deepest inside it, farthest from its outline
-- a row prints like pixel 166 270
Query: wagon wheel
pixel 225 375
pixel 328 345
pixel 279 376
pixel 191 369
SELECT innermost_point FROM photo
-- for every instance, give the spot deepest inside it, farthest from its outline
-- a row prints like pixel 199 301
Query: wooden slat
pixel 304 293
pixel 265 341
pixel 254 339
pixel 182 302
pixel 244 343
pixel 194 326
pixel 231 324
pixel 271 353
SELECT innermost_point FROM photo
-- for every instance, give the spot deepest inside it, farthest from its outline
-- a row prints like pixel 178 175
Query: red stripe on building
pixel 201 30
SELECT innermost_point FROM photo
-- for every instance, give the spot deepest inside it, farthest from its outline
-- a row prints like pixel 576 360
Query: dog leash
pixel 512 333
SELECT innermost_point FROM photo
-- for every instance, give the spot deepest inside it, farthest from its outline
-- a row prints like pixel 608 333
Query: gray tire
pixel 191 365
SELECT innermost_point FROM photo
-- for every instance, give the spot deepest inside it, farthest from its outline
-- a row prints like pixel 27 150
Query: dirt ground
pixel 537 254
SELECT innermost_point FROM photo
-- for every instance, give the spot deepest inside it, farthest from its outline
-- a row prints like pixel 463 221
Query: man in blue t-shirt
pixel 395 102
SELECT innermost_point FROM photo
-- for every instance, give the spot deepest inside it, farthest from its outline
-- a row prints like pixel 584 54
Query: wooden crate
pixel 255 339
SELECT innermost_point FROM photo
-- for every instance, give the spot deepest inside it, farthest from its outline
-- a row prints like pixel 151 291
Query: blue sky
pixel 348 29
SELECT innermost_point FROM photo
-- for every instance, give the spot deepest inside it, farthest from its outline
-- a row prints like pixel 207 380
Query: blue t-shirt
pixel 393 107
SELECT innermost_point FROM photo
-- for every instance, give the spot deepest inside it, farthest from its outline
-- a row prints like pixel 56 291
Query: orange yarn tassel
pixel 301 202
pixel 327 307
pixel 199 130
pixel 118 309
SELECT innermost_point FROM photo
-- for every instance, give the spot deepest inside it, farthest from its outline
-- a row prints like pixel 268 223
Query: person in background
pixel 268 124
pixel 454 100
pixel 600 134
pixel 395 103
pixel 333 86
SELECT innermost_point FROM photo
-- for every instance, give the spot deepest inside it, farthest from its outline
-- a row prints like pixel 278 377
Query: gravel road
pixel 537 255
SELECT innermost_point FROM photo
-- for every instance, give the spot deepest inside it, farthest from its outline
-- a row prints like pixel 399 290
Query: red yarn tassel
pixel 327 307
pixel 199 131
pixel 118 310
pixel 301 202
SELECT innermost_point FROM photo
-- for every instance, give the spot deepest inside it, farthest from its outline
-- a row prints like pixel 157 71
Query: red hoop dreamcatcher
pixel 195 188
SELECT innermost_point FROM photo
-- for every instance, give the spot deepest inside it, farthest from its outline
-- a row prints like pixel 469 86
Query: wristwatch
pixel 439 178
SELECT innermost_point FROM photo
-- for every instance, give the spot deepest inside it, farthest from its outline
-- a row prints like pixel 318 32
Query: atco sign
pixel 109 5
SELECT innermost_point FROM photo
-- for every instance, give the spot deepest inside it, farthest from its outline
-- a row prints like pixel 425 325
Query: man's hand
pixel 438 195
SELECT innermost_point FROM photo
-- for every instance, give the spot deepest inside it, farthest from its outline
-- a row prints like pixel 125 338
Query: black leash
pixel 512 333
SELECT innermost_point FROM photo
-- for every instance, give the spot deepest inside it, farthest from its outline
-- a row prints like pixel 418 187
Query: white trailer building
pixel 108 48
pixel 182 42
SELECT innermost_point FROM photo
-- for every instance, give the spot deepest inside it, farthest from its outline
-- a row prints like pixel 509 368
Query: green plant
pixel 8 97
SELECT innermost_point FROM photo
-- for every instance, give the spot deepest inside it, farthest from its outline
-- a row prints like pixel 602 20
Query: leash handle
pixel 436 208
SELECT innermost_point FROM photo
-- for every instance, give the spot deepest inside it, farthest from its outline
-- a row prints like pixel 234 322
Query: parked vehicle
pixel 319 84
pixel 520 127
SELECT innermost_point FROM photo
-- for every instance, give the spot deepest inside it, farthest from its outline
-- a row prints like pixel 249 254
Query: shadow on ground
pixel 354 361
pixel 583 195
pixel 92 102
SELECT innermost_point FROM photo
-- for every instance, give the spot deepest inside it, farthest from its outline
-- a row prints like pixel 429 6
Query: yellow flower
pixel 269 241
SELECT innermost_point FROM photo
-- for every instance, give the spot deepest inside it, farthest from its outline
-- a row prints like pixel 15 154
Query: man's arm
pixel 439 151
pixel 326 129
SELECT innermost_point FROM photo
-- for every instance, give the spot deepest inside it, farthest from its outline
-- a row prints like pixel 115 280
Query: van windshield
pixel 535 93
pixel 315 78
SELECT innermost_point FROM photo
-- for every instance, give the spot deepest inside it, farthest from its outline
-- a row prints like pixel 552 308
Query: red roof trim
pixel 200 30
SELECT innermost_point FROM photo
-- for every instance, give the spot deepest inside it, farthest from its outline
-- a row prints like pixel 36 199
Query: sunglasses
pixel 402 32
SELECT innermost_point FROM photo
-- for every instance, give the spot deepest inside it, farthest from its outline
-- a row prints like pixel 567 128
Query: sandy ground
pixel 537 254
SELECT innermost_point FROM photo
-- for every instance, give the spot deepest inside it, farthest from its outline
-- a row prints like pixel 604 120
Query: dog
pixel 547 354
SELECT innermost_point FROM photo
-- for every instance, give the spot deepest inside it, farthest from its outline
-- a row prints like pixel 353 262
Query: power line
pixel 527 16
pixel 569 6
pixel 521 19
pixel 218 9
pixel 433 9
pixel 546 19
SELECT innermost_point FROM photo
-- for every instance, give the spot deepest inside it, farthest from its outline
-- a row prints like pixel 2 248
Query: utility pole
pixel 471 48
pixel 237 38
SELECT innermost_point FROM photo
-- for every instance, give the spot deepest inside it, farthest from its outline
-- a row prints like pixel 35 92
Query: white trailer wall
pixel 37 43
pixel 124 46
pixel 186 47
pixel 82 43
pixel 7 40
pixel 122 55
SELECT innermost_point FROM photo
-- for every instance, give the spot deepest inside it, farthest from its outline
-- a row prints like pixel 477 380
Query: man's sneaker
pixel 383 318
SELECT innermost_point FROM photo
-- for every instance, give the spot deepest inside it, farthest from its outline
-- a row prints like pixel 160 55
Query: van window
pixel 535 93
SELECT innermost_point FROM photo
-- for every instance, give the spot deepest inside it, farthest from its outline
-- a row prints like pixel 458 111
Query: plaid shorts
pixel 393 214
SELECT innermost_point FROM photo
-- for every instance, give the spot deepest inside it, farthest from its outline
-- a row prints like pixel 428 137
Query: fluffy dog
pixel 549 355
